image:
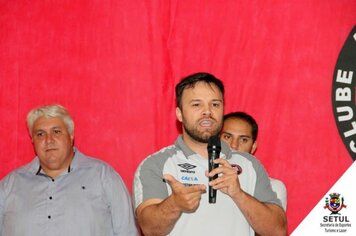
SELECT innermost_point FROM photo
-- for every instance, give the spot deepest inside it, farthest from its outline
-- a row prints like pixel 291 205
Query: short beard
pixel 199 136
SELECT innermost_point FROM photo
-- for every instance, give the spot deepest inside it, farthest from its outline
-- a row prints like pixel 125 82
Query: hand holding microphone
pixel 214 148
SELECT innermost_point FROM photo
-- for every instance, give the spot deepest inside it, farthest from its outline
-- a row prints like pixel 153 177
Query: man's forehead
pixel 237 125
pixel 48 122
pixel 203 88
pixel 238 120
pixel 202 84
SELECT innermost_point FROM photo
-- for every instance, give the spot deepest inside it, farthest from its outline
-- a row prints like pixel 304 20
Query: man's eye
pixel 216 104
pixel 226 136
pixel 56 131
pixel 40 134
pixel 195 104
pixel 244 140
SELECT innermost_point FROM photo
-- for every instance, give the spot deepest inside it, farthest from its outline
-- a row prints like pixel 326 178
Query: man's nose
pixel 235 144
pixel 49 138
pixel 207 110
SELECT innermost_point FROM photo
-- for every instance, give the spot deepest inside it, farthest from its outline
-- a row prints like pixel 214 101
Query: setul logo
pixel 343 93
pixel 335 203
pixel 335 222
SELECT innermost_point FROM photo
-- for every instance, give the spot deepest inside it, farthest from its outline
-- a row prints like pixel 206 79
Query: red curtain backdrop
pixel 114 65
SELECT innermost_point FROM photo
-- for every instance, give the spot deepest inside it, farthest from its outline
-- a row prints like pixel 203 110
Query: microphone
pixel 214 148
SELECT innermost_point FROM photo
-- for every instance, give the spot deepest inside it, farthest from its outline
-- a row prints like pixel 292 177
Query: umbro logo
pixel 187 167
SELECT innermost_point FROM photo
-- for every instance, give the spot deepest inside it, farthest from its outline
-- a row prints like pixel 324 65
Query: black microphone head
pixel 214 143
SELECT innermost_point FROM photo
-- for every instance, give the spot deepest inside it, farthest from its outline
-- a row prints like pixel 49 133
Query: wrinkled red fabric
pixel 114 65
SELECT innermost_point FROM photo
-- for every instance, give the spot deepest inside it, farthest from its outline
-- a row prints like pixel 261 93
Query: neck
pixel 197 147
pixel 57 171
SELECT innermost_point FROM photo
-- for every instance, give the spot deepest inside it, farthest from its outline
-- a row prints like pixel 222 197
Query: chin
pixel 205 137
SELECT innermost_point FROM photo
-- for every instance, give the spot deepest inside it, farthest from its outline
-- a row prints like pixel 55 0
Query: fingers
pixel 228 181
pixel 224 168
pixel 171 180
pixel 175 185
pixel 187 199
pixel 222 162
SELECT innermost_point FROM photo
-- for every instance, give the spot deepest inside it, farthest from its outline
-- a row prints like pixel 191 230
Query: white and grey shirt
pixel 222 218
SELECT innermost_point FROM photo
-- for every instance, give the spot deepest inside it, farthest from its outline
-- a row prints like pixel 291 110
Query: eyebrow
pixel 199 99
pixel 240 136
pixel 195 100
pixel 52 128
pixel 38 130
pixel 224 132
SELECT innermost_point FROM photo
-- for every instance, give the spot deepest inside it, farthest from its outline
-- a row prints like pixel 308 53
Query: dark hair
pixel 191 80
pixel 245 117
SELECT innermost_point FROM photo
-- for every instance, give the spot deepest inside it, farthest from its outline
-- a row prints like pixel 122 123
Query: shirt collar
pixel 225 149
pixel 78 161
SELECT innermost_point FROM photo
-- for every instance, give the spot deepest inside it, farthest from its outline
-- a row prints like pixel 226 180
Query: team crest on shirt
pixel 335 203
pixel 237 167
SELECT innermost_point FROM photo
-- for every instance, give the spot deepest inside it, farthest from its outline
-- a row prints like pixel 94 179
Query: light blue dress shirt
pixel 90 199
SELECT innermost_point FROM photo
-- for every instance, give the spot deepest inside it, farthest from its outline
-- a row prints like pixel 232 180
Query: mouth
pixel 207 123
pixel 50 149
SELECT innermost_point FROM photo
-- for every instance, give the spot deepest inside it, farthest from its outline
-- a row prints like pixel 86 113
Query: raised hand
pixel 185 198
pixel 228 181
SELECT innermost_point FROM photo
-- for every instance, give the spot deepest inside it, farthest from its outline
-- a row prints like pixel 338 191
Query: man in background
pixel 240 131
pixel 62 191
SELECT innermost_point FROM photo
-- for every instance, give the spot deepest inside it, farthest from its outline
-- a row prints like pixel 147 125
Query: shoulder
pixel 84 161
pixel 29 168
pixel 21 174
pixel 277 184
pixel 165 152
pixel 159 158
pixel 94 167
pixel 246 159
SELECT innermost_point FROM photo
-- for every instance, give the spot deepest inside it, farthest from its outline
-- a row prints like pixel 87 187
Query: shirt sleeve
pixel 148 180
pixel 263 190
pixel 280 189
pixel 120 204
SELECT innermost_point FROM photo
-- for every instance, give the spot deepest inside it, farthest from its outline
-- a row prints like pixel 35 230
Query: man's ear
pixel 179 114
pixel 72 139
pixel 254 147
